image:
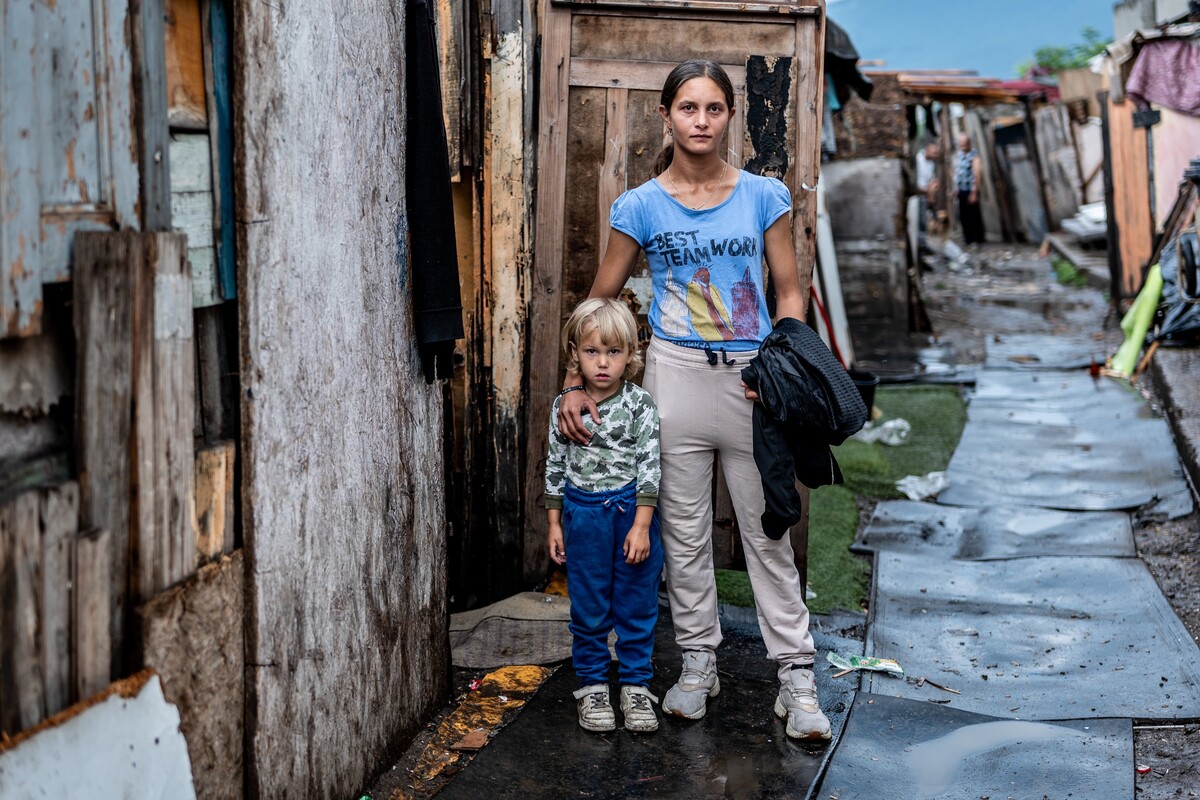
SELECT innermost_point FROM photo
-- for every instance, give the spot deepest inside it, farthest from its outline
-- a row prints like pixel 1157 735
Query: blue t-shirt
pixel 706 265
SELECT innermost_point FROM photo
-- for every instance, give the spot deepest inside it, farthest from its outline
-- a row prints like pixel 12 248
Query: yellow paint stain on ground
pixel 500 696
pixel 558 584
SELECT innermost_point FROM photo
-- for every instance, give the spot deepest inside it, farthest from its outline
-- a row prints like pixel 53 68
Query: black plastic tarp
pixel 1181 314
pixel 841 63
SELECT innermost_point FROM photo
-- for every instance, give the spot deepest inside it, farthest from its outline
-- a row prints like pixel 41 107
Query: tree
pixel 1052 59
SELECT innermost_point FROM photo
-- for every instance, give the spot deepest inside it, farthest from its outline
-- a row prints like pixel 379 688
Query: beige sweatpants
pixel 702 410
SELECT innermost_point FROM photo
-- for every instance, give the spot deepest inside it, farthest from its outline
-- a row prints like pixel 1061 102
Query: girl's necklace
pixel 708 200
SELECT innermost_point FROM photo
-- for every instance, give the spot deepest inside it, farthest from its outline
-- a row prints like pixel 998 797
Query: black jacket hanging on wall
pixel 808 402
pixel 437 302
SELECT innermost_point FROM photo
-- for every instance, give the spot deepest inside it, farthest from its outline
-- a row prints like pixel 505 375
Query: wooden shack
pixel 218 457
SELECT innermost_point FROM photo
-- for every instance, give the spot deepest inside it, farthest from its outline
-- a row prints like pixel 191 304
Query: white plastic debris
pixel 917 487
pixel 893 432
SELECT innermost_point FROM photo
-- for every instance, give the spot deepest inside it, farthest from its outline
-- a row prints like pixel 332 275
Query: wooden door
pixel 68 154
pixel 602 72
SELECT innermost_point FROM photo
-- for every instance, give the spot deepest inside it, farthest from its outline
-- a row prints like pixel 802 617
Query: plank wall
pixel 343 506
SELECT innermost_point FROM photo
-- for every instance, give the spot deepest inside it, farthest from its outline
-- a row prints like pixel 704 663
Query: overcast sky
pixel 990 36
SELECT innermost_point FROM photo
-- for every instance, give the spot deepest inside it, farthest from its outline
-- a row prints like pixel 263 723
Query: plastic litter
pixel 916 487
pixel 1142 769
pixel 893 432
pixel 887 665
pixel 475 684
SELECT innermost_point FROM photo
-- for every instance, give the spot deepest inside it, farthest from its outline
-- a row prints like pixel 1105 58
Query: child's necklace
pixel 708 200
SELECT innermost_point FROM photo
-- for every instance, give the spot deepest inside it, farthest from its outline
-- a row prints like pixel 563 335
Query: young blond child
pixel 601 499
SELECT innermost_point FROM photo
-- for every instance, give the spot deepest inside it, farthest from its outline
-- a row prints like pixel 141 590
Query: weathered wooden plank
pixel 35 375
pixel 452 48
pixel 612 171
pixel 92 605
pixel 782 7
pixel 809 69
pixel 68 158
pixel 191 163
pixel 214 501
pixel 989 200
pixel 184 56
pixel 215 410
pixel 192 213
pixel 20 204
pixel 1131 187
pixel 666 38
pixel 59 522
pixel 153 138
pixel 545 300
pixel 206 290
pixel 166 462
pixel 342 494
pixel 809 97
pixel 507 224
pixel 644 75
pixel 104 288
pixel 218 69
pixel 192 636
pixel 22 688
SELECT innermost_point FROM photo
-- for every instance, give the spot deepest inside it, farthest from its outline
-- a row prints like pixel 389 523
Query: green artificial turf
pixel 839 578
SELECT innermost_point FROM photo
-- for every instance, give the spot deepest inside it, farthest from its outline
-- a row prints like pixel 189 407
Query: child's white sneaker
pixel 595 712
pixel 637 706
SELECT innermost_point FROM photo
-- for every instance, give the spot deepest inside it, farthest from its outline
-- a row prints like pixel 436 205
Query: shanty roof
pixel 958 86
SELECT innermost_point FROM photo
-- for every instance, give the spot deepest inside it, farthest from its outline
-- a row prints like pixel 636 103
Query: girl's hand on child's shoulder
pixel 571 408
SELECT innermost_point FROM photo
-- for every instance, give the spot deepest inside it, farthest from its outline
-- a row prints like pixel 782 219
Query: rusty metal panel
pixel 67 158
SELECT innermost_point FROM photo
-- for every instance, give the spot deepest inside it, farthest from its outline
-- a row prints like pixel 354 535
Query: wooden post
pixel 133 329
pixel 150 90
pixel 545 300
pixel 507 224
pixel 103 293
pixel 91 645
pixel 810 72
pixel 163 472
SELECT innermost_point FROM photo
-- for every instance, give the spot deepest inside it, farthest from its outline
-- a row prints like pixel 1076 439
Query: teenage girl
pixel 706 227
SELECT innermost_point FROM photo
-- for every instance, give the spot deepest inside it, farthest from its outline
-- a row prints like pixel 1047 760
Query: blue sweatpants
pixel 606 593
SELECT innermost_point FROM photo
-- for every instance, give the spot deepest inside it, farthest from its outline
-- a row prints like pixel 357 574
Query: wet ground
pixel 999 291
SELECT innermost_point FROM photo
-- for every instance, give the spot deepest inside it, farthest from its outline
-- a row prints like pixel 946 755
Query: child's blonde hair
pixel 612 321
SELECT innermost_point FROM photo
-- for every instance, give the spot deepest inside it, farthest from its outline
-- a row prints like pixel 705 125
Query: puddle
pixel 937 764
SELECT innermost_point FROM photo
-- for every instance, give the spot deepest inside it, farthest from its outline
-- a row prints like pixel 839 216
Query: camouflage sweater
pixel 623 449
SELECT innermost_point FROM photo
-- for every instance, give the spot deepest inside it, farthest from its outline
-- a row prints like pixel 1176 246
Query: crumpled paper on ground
pixel 919 487
pixel 893 432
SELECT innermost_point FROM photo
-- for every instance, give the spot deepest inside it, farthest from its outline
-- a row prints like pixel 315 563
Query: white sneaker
pixel 637 706
pixel 797 701
pixel 698 681
pixel 595 712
